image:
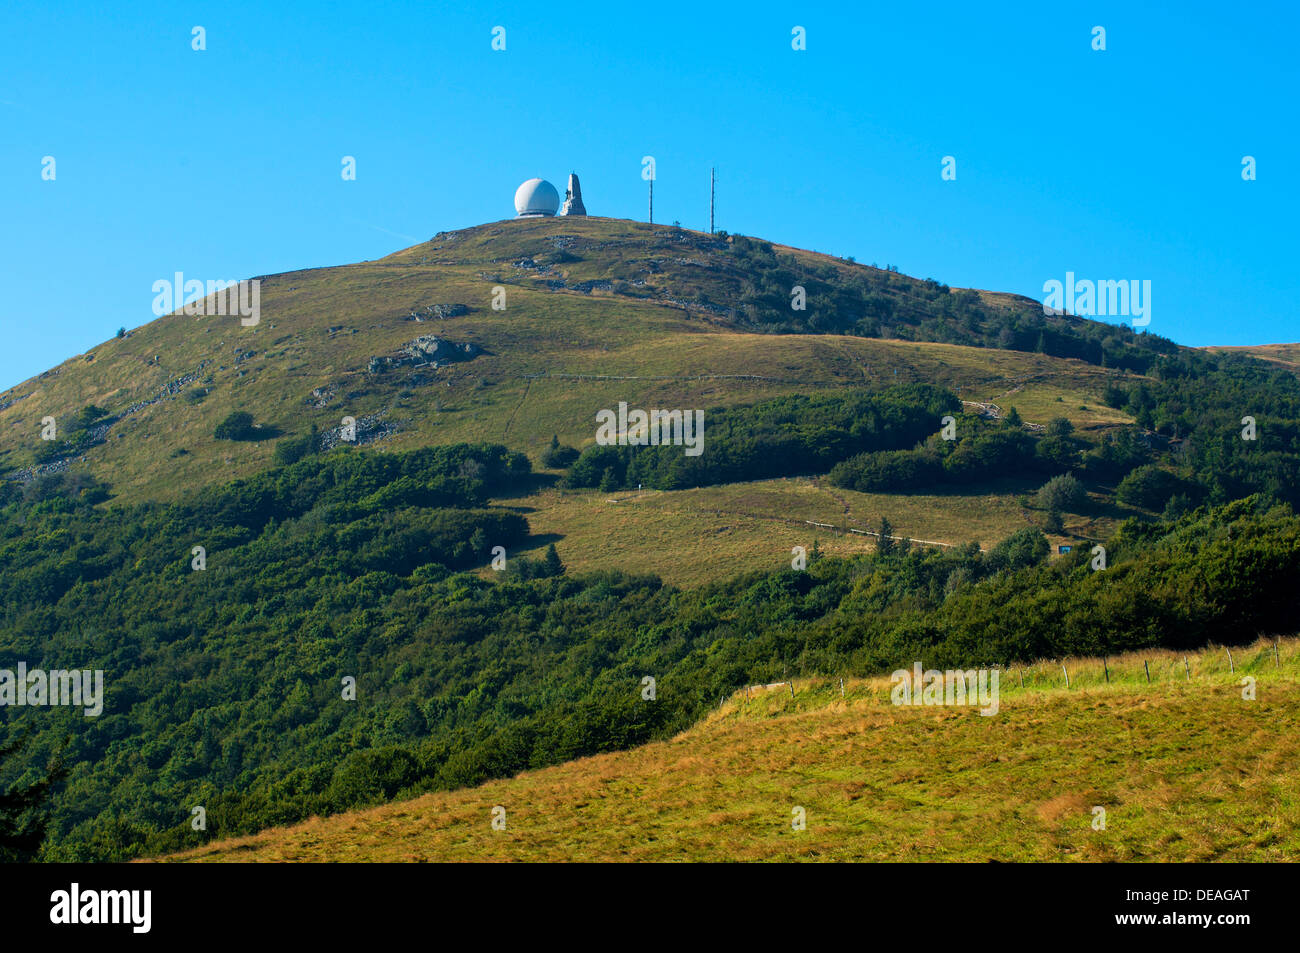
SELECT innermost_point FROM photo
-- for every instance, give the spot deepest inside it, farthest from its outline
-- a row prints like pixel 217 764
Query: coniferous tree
pixel 551 562
pixel 23 813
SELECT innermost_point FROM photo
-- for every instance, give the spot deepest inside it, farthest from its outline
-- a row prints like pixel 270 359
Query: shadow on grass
pixel 528 486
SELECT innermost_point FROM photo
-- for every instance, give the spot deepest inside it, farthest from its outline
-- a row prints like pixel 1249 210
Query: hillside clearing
pixel 686 536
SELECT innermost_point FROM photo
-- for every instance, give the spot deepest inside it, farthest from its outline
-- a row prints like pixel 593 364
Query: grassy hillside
pixel 1185 768
pixel 597 311
pixel 1285 355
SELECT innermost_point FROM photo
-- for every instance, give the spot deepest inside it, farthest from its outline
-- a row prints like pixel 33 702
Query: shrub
pixel 293 449
pixel 557 456
pixel 1061 493
pixel 1149 487
pixel 237 426
pixel 1025 547
pixel 887 470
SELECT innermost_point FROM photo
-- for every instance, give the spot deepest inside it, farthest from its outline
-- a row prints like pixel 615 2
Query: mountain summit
pixel 528 327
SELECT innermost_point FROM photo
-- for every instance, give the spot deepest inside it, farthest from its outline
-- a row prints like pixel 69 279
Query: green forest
pixel 779 437
pixel 225 686
pixel 883 303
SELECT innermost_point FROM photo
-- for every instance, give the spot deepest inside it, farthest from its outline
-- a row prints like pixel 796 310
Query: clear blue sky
pixel 226 163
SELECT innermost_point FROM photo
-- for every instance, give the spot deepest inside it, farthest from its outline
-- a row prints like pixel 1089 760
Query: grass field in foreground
pixel 1185 768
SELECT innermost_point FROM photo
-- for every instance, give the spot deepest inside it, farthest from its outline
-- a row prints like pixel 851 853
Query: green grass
pixel 1185 768
pixel 515 393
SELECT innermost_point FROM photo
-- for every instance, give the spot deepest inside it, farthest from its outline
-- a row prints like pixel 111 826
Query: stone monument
pixel 573 198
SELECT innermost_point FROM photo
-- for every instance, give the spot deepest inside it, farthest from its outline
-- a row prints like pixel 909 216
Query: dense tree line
pixel 980 450
pixel 1232 426
pixel 349 485
pixel 784 436
pixel 1210 429
pixel 882 303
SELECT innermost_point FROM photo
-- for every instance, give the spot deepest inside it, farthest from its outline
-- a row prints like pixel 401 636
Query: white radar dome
pixel 536 198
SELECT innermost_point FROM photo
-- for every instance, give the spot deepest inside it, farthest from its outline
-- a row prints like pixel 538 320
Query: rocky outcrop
pixel 370 428
pixel 439 312
pixel 427 350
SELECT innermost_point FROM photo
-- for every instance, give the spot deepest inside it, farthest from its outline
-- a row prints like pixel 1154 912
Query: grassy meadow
pixel 685 536
pixel 1185 768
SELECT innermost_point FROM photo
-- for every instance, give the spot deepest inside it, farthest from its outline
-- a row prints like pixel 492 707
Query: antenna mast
pixel 711 177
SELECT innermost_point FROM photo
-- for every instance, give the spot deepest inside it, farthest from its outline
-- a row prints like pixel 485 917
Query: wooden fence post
pixel 1067 677
pixel 1232 669
pixel 1188 668
pixel 1106 668
pixel 791 684
pixel 1021 673
pixel 841 688
pixel 1276 663
pixel 1148 670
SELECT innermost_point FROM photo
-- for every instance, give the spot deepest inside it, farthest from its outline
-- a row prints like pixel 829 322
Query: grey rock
pixel 427 350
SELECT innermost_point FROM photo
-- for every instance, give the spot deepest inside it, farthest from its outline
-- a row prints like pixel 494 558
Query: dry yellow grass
pixel 687 536
pixel 1185 768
